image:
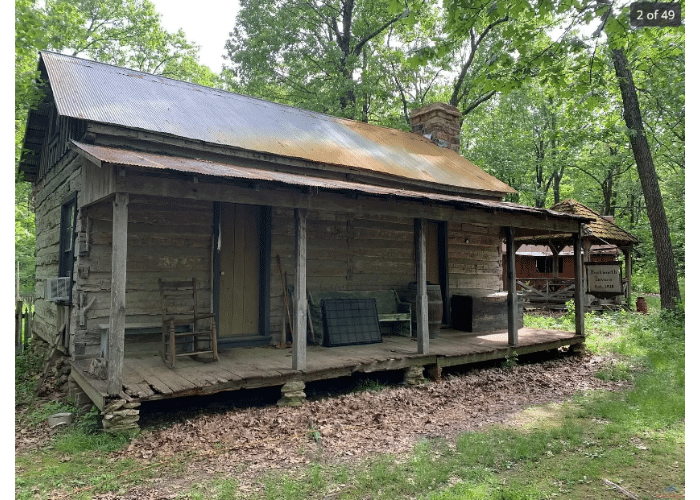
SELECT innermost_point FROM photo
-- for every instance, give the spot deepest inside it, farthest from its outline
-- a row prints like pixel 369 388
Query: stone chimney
pixel 438 122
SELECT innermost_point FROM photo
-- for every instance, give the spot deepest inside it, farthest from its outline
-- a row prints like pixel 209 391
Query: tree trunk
pixel 668 280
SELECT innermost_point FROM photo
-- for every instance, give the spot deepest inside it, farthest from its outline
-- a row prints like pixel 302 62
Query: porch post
pixel 578 290
pixel 627 251
pixel 512 291
pixel 421 226
pixel 555 261
pixel 115 361
pixel 587 299
pixel 300 309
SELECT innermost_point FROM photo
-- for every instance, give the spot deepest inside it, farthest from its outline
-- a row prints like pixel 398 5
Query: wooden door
pixel 239 299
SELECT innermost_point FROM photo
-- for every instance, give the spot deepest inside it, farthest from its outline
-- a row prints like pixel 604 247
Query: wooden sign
pixel 604 279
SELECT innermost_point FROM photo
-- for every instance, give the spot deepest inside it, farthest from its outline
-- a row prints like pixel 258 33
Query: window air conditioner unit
pixel 58 289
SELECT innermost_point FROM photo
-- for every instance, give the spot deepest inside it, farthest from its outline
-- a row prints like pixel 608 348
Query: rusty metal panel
pixel 108 94
pixel 104 154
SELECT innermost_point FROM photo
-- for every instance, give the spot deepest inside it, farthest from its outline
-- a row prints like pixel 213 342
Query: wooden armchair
pixel 186 331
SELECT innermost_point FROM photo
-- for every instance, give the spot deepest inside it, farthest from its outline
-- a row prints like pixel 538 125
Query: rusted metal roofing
pixel 117 156
pixel 112 95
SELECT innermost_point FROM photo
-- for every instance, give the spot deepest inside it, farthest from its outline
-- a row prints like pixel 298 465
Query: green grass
pixel 369 385
pixel 634 438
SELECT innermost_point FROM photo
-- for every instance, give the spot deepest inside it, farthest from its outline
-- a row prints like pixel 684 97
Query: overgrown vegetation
pixel 634 439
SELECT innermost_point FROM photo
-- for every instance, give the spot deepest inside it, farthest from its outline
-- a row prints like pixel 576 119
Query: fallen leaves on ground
pixel 251 441
pixel 354 425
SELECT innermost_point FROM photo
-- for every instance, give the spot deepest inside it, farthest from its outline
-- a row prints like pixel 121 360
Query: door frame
pixel 443 269
pixel 263 337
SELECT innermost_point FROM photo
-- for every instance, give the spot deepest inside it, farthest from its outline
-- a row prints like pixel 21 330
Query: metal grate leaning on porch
pixel 350 322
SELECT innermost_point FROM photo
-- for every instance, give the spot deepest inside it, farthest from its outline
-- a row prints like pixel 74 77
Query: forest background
pixel 558 97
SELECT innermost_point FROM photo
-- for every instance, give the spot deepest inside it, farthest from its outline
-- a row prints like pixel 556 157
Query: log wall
pixel 373 252
pixel 344 252
pixel 167 238
pixel 474 258
pixel 172 238
pixel 49 194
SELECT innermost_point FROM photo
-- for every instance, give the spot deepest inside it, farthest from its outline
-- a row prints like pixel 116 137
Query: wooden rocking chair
pixel 186 331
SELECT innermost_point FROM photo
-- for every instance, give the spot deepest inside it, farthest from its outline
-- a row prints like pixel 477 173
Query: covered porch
pixel 146 378
pixel 331 234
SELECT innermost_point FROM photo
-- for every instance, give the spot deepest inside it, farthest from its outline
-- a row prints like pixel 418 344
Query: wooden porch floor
pixel 146 378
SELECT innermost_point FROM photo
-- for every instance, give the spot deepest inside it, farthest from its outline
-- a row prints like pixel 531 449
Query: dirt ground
pixel 249 441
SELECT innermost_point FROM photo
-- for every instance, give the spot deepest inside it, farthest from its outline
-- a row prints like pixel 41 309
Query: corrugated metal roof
pixel 112 95
pixel 103 154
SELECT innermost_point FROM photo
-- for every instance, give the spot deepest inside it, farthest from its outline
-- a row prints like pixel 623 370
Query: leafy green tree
pixel 316 54
pixel 620 43
pixel 528 138
pixel 575 66
pixel 30 36
pixel 122 32
pixel 499 46
pixel 25 239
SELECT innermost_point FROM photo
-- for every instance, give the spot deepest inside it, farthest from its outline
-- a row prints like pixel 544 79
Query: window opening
pixel 67 236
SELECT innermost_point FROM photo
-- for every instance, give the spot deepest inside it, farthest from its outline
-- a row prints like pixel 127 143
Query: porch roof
pixel 117 156
pixel 598 229
pixel 546 251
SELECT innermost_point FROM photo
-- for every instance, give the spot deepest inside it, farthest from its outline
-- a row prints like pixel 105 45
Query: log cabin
pixel 139 179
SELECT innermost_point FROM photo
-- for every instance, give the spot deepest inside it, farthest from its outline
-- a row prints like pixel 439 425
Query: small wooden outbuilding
pixel 545 264
pixel 139 178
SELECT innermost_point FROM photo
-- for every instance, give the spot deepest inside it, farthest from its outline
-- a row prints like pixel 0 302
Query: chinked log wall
pixel 49 193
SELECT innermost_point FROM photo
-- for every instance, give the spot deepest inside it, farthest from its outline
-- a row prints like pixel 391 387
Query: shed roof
pixel 599 229
pixel 546 251
pixel 151 161
pixel 102 93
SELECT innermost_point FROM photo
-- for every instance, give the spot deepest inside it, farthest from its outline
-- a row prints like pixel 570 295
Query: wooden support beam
pixel 88 386
pixel 300 306
pixel 290 197
pixel 421 228
pixel 579 291
pixel 115 361
pixel 511 285
pixel 555 260
pixel 587 244
pixel 627 251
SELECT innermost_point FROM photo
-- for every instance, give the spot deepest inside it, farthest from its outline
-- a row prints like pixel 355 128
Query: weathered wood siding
pixel 167 238
pixel 370 252
pixel 344 252
pixel 171 238
pixel 49 193
pixel 474 258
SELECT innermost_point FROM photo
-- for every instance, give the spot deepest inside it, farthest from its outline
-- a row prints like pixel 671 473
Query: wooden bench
pixel 390 310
